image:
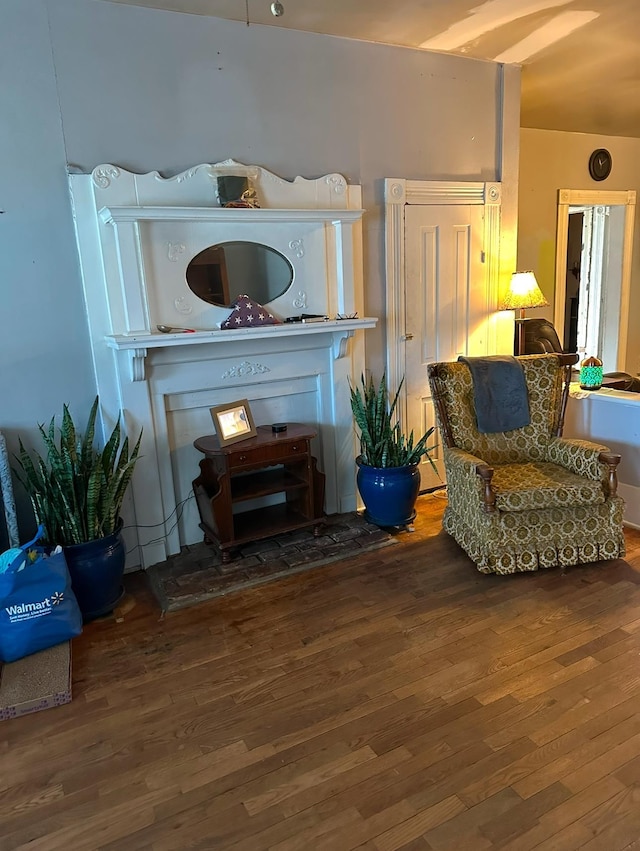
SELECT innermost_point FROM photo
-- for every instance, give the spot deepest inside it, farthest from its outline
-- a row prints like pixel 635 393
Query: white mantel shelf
pixel 111 215
pixel 339 327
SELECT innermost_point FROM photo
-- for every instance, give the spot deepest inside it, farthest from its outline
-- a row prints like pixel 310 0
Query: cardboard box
pixel 39 681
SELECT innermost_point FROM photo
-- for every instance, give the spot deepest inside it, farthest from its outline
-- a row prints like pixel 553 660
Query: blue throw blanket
pixel 499 393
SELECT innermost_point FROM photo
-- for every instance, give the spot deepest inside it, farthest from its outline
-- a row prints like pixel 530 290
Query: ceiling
pixel 580 58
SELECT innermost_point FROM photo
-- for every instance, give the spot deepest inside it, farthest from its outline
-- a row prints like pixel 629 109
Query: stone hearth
pixel 197 572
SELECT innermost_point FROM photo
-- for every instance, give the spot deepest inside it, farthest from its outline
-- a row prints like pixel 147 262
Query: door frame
pixel 399 192
pixel 601 198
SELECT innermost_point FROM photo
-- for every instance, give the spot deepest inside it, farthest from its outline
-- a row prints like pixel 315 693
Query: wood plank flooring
pixel 399 701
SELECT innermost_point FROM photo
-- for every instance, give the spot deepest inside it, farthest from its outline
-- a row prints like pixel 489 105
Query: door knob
pixel 408 336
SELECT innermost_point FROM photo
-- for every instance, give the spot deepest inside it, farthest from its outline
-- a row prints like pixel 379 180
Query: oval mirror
pixel 222 272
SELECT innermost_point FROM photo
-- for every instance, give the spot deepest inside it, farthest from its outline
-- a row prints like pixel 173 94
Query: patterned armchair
pixel 528 498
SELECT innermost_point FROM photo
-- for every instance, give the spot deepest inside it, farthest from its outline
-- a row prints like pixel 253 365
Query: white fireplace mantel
pixel 115 215
pixel 136 235
pixel 339 333
pixel 341 330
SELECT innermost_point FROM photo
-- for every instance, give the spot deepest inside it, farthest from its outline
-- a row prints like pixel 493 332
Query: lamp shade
pixel 523 292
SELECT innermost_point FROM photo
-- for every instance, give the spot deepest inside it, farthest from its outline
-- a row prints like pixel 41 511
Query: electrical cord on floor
pixel 178 510
pixel 439 492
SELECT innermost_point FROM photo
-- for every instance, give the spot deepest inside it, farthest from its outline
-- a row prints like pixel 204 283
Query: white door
pixel 446 304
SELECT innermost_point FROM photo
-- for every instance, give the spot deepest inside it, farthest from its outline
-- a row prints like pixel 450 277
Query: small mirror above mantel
pixel 261 272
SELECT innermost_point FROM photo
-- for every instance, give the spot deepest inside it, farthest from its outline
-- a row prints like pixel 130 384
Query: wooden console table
pixel 259 466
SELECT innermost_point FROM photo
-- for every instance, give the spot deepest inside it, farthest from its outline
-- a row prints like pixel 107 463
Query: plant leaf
pixel 382 442
pixel 75 491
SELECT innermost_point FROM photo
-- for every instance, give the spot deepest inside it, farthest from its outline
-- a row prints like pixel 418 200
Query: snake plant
pixel 382 441
pixel 76 491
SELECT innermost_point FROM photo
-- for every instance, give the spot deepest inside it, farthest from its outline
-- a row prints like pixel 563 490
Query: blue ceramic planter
pixel 389 493
pixel 96 570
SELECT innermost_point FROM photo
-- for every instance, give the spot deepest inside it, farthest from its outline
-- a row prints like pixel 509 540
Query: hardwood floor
pixel 399 700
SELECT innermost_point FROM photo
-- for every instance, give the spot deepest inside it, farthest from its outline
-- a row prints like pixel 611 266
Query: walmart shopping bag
pixel 37 606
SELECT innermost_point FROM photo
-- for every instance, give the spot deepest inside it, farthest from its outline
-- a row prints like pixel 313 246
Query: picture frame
pixel 233 422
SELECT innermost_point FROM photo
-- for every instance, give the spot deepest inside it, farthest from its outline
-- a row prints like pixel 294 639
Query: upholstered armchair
pixel 528 498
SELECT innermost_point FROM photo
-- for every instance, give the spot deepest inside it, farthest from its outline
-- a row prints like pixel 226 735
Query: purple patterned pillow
pixel 247 313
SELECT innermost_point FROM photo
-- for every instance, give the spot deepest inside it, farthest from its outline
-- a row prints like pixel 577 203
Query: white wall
pixel 552 160
pixel 44 340
pixel 94 82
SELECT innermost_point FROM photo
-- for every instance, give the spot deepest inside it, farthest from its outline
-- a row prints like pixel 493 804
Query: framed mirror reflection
pixel 594 247
pixel 217 274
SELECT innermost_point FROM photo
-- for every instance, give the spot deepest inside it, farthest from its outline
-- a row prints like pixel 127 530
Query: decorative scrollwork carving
pixel 493 193
pixel 179 178
pixel 174 250
pixel 337 183
pixel 136 364
pixel 341 344
pixel 297 246
pixel 185 175
pixel 301 300
pixel 103 175
pixel 396 192
pixel 182 305
pixel 245 368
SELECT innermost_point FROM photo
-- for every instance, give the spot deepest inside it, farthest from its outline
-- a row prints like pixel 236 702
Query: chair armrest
pixel 468 475
pixel 585 459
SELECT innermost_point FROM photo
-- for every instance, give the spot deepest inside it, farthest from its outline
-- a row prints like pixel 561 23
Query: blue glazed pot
pixel 96 570
pixel 389 493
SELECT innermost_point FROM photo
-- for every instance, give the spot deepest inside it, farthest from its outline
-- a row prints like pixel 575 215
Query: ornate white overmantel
pixel 137 233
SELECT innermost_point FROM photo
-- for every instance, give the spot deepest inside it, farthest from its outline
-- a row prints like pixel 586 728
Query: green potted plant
pixel 388 464
pixel 77 492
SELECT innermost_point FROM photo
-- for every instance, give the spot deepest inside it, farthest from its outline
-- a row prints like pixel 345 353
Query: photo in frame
pixel 233 422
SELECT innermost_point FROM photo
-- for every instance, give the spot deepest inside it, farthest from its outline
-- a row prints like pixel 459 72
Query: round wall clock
pixel 600 164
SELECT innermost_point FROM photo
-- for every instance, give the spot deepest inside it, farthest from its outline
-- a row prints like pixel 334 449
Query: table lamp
pixel 523 293
pixel 591 374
